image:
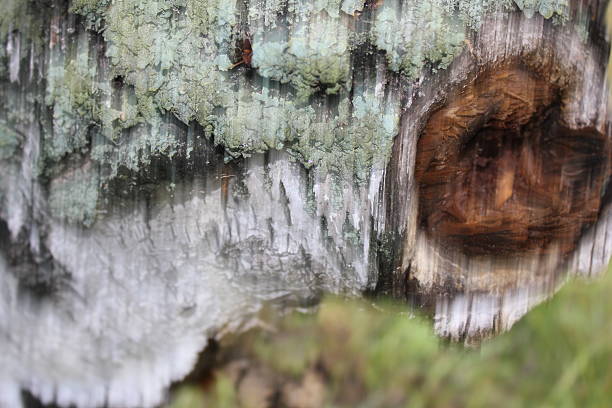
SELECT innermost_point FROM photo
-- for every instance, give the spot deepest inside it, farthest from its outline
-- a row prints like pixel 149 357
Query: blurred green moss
pixel 368 355
pixel 222 395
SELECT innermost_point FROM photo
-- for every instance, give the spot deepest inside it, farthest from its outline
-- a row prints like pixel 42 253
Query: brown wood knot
pixel 498 171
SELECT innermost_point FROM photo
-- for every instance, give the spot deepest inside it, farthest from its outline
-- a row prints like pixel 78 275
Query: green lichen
pixel 352 6
pixel 547 8
pixel 266 11
pixel 314 58
pixel 19 15
pixel 170 66
pixel 74 197
pixel 432 33
pixel 416 34
pixel 92 9
pixel 171 58
pixel 161 51
pixel 88 6
pixel 153 49
pixel 472 12
pixel 72 93
pixel 349 143
pixel 9 141
pixel 174 55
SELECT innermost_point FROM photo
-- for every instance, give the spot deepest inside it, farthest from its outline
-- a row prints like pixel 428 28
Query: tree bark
pixel 156 194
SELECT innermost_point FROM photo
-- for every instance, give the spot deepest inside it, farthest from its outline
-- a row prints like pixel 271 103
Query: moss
pixel 299 351
pixel 188 397
pixel 221 396
pixel 379 355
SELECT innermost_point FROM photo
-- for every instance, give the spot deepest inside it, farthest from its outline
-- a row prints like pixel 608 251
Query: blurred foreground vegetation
pixel 354 354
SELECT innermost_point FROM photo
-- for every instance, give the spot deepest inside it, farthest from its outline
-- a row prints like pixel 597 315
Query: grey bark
pixel 192 246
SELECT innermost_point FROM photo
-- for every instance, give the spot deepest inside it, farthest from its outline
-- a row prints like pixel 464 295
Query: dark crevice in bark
pixel 40 278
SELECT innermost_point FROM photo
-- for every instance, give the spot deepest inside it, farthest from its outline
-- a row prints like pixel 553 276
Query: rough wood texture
pixel 498 174
pixel 152 198
pixel 481 286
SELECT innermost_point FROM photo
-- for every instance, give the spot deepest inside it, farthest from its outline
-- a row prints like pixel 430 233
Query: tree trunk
pixel 169 167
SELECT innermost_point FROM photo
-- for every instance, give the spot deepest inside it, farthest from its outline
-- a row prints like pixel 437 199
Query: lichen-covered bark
pixel 152 197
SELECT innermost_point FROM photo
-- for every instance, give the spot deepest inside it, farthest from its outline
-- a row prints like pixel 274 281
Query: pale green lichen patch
pixel 352 6
pixel 313 57
pixel 417 33
pixel 74 196
pixel 145 141
pixel 171 59
pixel 347 144
pixel 267 12
pixel 173 70
pixel 161 50
pixel 547 8
pixel 168 54
pixel 472 12
pixel 9 141
pixel 92 9
pixel 174 57
pixel 87 7
pixel 72 93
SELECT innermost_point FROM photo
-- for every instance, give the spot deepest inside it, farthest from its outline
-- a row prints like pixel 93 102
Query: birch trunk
pixel 155 194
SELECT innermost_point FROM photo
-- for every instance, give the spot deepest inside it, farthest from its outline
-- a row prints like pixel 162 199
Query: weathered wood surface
pixel 503 276
pixel 152 199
